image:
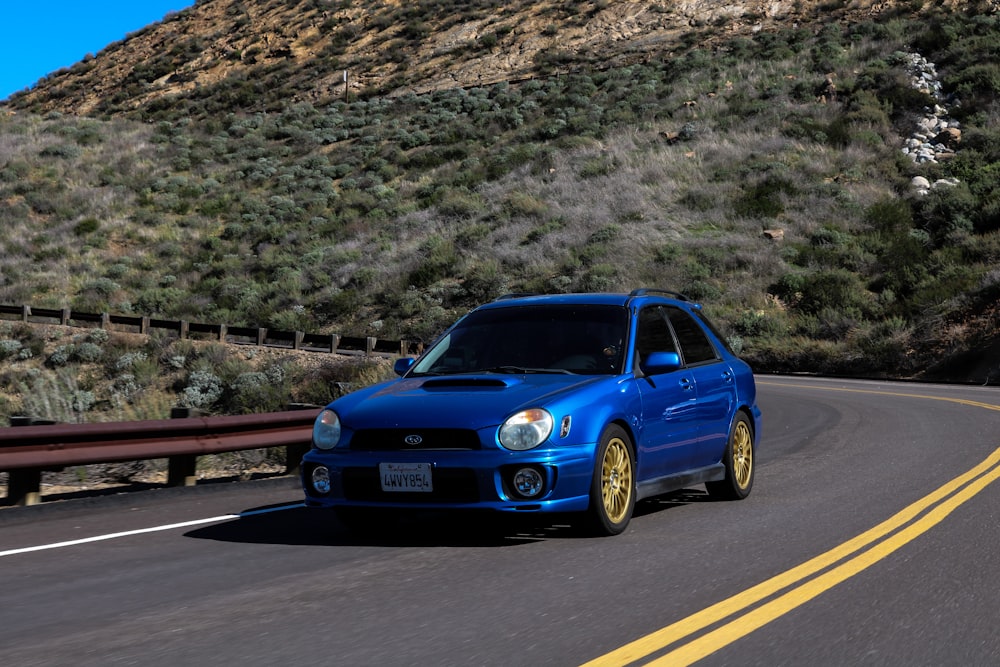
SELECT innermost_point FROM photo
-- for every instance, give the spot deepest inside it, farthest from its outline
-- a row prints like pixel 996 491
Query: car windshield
pixel 583 339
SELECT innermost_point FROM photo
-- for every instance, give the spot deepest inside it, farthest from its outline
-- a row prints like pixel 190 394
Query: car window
pixel 653 334
pixel 714 329
pixel 695 345
pixel 586 339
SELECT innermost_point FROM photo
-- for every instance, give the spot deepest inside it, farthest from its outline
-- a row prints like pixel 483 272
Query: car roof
pixel 591 298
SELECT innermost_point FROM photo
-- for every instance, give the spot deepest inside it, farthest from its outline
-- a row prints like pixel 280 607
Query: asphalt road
pixel 871 538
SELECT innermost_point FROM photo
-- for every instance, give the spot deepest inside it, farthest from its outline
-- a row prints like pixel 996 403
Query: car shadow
pixel 303 526
pixel 667 501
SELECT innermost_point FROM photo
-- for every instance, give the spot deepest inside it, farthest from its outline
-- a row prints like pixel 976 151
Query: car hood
pixel 456 401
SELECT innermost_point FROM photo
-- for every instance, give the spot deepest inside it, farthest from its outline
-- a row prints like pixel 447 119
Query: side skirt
pixel 661 485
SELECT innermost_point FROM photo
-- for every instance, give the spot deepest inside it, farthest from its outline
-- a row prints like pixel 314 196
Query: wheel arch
pixel 753 416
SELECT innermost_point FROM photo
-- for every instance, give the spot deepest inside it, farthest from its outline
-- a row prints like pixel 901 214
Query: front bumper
pixel 461 480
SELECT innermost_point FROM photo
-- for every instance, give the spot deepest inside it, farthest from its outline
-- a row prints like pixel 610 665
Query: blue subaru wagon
pixel 571 403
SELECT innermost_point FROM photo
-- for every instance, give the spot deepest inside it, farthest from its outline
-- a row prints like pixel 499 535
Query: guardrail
pixel 27 451
pixel 260 336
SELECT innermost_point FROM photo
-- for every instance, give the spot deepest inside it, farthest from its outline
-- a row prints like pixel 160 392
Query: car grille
pixel 405 440
pixel 455 485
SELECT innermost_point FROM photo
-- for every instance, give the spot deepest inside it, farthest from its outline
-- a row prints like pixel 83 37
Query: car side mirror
pixel 657 363
pixel 400 366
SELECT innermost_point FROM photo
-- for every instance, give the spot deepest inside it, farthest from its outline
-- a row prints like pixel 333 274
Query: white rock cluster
pixel 937 135
pixel 923 185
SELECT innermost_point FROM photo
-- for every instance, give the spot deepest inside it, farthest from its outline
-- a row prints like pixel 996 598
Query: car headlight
pixel 326 430
pixel 526 430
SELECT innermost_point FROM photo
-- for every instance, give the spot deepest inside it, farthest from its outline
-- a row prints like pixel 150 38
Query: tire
pixel 739 461
pixel 612 490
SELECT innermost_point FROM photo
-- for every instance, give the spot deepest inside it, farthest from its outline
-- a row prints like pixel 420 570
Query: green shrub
pixel 760 324
pixel 203 390
pixel 833 291
pixel 86 226
pixel 438 258
pixel 10 349
pixel 765 199
pixel 946 210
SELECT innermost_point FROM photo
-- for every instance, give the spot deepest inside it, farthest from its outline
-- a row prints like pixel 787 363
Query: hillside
pixel 267 54
pixel 211 167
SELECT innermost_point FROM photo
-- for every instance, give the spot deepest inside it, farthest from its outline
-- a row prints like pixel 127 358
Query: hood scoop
pixel 465 383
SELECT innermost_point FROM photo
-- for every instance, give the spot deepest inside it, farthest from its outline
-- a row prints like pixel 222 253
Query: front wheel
pixel 738 460
pixel 612 491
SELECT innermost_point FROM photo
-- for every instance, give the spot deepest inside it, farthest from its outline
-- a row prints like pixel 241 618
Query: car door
pixel 715 386
pixel 668 429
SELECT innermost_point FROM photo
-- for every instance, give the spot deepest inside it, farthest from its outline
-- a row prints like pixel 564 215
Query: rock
pixel 920 183
pixel 950 137
pixel 774 234
pixel 945 182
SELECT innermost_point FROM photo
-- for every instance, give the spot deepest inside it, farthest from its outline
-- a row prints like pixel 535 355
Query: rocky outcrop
pixel 937 135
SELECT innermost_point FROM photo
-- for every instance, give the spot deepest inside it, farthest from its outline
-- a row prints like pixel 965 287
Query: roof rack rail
pixel 515 295
pixel 643 291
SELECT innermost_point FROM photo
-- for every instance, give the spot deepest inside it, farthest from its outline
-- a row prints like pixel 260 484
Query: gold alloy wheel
pixel 616 480
pixel 742 454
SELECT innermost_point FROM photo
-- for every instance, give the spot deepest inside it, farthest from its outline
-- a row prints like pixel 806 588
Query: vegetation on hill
pixel 390 215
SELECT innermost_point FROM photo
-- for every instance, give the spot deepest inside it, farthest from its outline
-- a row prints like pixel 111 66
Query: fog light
pixel 528 482
pixel 321 479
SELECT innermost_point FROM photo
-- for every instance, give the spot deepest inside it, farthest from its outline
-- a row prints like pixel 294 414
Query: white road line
pixel 154 529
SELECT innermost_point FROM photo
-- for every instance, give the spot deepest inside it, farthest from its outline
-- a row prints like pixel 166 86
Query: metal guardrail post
pixel 182 469
pixel 24 486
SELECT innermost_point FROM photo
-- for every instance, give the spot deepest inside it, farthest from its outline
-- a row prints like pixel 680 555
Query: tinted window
pixel 695 345
pixel 653 334
pixel 581 339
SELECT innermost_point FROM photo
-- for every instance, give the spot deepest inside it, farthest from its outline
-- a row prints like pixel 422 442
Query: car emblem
pixel 413 440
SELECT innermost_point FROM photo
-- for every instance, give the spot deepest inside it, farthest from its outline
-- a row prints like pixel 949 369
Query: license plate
pixel 408 477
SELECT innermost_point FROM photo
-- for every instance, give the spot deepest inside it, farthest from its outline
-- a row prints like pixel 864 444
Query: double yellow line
pixel 797 586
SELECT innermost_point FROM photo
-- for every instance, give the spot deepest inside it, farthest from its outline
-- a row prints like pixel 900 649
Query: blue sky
pixel 38 37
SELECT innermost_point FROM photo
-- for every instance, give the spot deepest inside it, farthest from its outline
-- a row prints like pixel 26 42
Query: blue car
pixel 572 403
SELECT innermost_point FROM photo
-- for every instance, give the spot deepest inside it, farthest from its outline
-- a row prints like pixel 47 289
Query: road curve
pixel 870 539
